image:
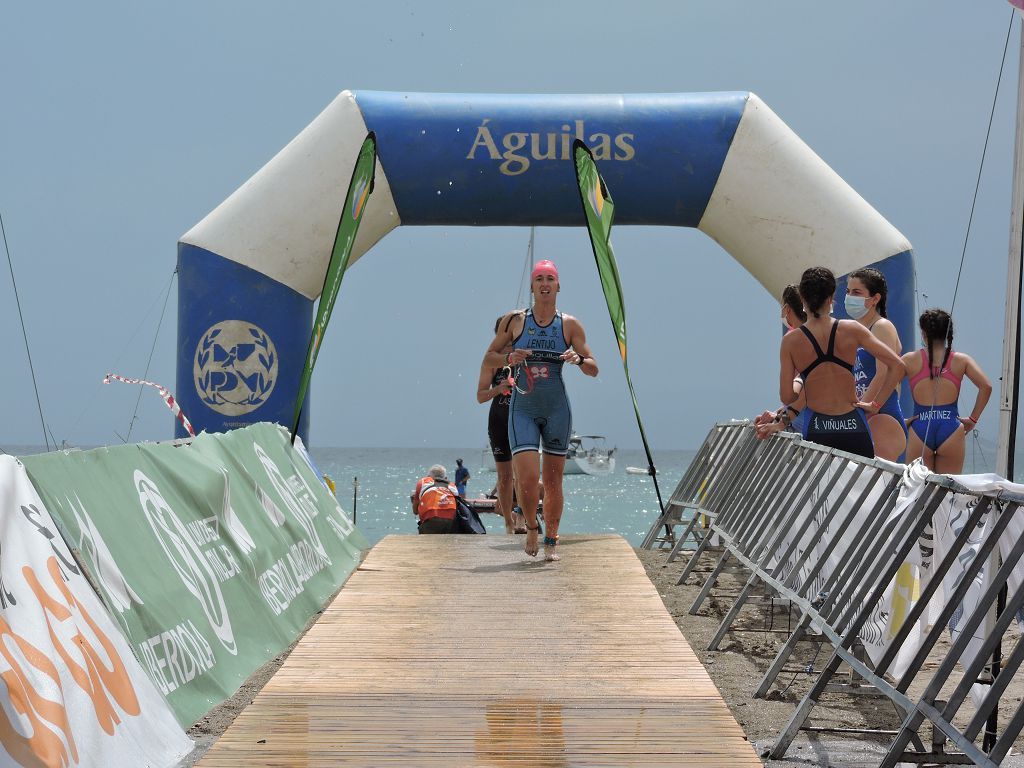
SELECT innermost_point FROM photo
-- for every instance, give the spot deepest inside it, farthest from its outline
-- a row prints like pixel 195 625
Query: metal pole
pixel 1009 394
pixel 1011 340
pixel 355 497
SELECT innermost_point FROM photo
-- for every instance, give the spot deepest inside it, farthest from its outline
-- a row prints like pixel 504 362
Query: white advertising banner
pixel 73 693
pixel 901 595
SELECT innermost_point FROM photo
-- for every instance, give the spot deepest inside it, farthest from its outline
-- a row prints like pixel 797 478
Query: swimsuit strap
pixel 947 372
pixel 944 373
pixel 921 375
pixel 817 351
pixel 824 357
pixel 832 340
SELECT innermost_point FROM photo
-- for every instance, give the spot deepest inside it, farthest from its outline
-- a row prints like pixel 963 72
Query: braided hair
pixel 936 324
pixel 874 281
pixel 817 286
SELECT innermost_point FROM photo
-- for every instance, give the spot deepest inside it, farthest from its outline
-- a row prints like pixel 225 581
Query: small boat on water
pixel 588 456
pixel 636 471
pixel 584 458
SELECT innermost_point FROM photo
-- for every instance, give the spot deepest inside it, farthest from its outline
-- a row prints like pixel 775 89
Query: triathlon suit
pixel 847 432
pixel 497 421
pixel 935 423
pixel 539 415
pixel 864 370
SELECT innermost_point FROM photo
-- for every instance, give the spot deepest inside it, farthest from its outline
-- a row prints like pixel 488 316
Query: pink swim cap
pixel 544 267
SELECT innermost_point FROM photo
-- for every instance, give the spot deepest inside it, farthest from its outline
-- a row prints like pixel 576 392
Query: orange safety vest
pixel 434 499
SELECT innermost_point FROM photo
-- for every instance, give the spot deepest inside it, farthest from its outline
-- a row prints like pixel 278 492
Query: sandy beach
pixel 749 649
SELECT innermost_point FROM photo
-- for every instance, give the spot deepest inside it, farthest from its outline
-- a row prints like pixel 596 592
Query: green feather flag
pixel 359 190
pixel 599 210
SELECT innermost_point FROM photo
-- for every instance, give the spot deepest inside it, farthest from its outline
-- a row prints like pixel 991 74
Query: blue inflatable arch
pixel 724 163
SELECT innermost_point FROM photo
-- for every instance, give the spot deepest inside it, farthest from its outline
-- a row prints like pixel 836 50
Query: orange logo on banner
pixel 104 677
pixel 44 747
pixel 96 679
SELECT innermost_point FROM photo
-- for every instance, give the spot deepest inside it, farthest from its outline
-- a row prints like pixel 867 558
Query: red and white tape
pixel 164 393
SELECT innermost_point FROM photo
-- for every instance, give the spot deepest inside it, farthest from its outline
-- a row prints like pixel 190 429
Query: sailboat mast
pixel 526 269
pixel 1008 392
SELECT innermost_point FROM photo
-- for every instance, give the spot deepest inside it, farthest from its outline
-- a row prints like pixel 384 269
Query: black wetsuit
pixel 497 421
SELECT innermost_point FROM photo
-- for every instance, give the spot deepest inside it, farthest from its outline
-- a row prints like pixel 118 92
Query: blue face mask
pixel 855 306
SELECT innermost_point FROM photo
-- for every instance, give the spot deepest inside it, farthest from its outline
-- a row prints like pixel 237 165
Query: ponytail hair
pixel 817 286
pixel 791 298
pixel 874 281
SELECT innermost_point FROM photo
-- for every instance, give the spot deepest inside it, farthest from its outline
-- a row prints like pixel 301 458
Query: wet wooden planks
pixel 462 651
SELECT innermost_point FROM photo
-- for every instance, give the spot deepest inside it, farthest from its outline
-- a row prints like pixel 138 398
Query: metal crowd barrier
pixel 829 532
pixel 721 458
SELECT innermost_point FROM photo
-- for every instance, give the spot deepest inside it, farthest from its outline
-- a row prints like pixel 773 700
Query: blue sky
pixel 126 123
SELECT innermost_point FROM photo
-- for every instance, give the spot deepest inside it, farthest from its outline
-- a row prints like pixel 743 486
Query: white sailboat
pixel 583 458
pixel 590 457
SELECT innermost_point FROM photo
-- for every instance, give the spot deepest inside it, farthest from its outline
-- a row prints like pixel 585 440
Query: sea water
pixel 617 503
pixel 620 503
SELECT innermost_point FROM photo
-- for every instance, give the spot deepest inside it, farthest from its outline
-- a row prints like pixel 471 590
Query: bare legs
pixel 554 501
pixel 504 469
pixel 887 436
pixel 947 460
pixel 526 465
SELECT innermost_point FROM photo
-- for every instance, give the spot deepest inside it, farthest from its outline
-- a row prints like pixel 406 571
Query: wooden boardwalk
pixel 462 651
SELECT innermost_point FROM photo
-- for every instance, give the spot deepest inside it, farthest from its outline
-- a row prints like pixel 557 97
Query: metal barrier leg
pixel 800 715
pixel 710 583
pixel 682 539
pixel 692 563
pixel 782 657
pixel 734 611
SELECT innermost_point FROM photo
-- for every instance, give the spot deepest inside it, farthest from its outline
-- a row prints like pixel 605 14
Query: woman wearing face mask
pixel 866 291
pixel 823 351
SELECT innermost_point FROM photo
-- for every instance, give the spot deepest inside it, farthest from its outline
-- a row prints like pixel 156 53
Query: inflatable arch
pixel 722 162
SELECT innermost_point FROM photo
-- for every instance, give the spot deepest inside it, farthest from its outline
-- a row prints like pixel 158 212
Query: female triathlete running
pixel 543 341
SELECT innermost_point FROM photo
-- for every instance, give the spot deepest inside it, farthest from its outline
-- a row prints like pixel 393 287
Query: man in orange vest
pixel 433 501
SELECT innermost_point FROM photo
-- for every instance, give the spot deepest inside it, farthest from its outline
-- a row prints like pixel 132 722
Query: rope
pixel 24 333
pixel 149 360
pixel 164 393
pixel 88 404
pixel 984 150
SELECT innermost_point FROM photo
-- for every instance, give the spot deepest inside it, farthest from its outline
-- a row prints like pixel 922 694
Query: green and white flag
pixel 600 213
pixel 359 190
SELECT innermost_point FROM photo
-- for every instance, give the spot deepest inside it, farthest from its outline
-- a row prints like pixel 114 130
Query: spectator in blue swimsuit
pixel 543 342
pixel 937 431
pixel 823 351
pixel 866 292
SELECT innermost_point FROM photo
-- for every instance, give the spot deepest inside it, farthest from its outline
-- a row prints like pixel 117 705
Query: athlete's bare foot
pixel 519 521
pixel 550 543
pixel 532 534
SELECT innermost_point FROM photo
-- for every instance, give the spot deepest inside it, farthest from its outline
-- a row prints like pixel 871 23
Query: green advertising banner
pixel 211 557
pixel 359 190
pixel 599 211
